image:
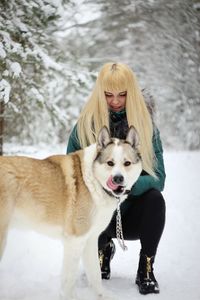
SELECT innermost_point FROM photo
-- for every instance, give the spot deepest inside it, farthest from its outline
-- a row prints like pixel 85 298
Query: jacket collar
pixel 117 116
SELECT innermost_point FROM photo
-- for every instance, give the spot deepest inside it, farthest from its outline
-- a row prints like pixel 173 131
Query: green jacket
pixel 145 182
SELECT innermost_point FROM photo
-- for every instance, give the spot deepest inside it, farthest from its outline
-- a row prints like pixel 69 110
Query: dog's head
pixel 118 162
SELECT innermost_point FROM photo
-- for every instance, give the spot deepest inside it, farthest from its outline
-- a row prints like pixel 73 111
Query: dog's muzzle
pixel 116 186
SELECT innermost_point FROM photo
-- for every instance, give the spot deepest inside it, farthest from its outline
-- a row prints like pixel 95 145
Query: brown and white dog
pixel 71 197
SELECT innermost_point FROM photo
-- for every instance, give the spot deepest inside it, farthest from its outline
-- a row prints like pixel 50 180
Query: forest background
pixel 52 50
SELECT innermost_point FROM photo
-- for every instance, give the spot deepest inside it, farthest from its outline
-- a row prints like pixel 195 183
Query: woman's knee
pixel 154 198
pixel 154 210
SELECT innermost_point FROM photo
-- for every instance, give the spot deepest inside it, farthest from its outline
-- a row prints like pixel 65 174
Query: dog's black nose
pixel 118 179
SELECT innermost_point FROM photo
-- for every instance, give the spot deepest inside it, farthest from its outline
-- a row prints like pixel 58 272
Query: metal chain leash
pixel 119 231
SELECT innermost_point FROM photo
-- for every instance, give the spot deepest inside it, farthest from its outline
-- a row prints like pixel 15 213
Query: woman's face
pixel 116 101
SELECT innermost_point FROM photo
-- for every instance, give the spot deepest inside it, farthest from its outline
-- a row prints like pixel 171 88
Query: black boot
pixel 145 277
pixel 105 257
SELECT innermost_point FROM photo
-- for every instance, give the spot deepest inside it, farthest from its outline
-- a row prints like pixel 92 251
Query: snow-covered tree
pixel 160 41
pixel 26 28
pixel 39 78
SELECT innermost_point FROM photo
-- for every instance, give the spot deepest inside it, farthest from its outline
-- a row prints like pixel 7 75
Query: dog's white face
pixel 118 162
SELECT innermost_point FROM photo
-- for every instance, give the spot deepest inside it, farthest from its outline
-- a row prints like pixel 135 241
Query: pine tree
pixel 26 31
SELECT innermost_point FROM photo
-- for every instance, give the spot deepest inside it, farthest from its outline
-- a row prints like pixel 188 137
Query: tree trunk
pixel 1 125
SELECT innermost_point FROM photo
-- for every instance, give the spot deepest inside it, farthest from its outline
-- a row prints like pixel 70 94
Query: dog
pixel 71 197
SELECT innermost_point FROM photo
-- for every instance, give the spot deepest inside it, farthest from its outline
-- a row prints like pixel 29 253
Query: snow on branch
pixel 5 88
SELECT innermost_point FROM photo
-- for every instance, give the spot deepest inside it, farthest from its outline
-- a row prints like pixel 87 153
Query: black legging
pixel 143 217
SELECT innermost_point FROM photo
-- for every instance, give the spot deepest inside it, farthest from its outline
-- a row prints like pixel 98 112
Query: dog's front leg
pixel 73 247
pixel 91 264
pixel 92 268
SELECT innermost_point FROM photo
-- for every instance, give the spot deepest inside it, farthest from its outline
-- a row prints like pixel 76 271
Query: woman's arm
pixel 73 142
pixel 147 182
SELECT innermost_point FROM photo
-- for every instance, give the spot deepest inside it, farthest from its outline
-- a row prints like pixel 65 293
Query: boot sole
pixel 141 291
pixel 105 276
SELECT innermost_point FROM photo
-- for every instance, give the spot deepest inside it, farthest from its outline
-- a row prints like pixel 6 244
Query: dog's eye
pixel 127 163
pixel 110 163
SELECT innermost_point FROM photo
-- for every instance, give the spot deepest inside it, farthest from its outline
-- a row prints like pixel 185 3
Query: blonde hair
pixel 117 77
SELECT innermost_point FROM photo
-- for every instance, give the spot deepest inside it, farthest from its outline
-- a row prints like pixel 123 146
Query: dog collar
pixel 110 193
pixel 117 197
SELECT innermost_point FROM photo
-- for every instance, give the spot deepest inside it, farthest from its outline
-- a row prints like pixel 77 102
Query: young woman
pixel 117 102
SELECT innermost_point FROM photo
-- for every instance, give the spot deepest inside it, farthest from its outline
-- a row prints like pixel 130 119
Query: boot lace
pixel 101 257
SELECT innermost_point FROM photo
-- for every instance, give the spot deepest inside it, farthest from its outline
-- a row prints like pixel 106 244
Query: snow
pixel 37 94
pixel 15 69
pixel 46 59
pixel 30 268
pixel 196 5
pixel 5 90
pixel 2 52
pixel 87 12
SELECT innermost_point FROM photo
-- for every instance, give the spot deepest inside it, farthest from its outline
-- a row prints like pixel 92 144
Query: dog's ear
pixel 103 138
pixel 133 137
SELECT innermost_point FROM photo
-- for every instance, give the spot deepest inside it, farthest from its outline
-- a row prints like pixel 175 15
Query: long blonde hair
pixel 117 77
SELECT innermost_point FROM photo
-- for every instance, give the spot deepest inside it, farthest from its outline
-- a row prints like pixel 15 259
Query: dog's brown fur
pixel 45 190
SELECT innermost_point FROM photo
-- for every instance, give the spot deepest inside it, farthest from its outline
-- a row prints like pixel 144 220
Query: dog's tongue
pixel 111 184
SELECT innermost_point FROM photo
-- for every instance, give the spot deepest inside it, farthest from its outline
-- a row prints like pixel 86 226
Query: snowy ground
pixel 31 265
